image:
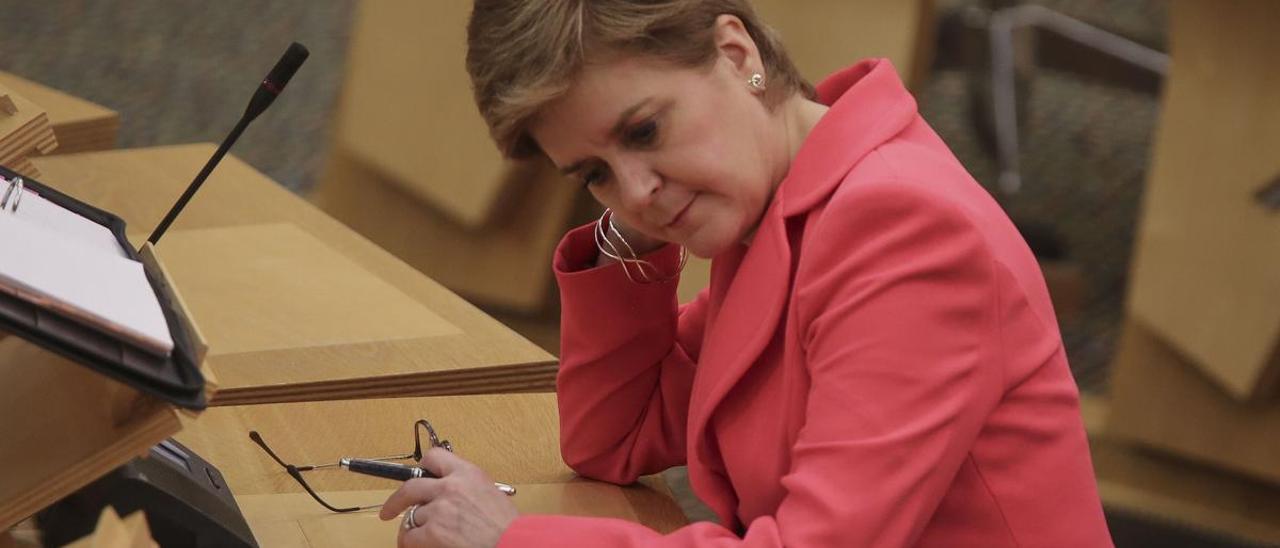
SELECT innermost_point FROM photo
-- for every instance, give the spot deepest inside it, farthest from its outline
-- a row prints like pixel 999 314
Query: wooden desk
pixel 242 221
pixel 79 125
pixel 513 437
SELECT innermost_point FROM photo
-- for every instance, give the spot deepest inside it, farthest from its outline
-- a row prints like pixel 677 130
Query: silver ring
pixel 409 521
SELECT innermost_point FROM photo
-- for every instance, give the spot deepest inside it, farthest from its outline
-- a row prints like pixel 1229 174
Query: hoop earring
pixel 756 82
pixel 645 272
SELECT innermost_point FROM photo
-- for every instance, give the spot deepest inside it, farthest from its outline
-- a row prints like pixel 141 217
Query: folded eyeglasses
pixel 419 427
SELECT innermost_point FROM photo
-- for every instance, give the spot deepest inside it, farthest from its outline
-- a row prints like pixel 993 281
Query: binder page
pixel 50 216
pixel 56 270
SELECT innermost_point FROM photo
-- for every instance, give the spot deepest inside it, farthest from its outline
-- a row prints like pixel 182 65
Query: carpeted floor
pixel 181 71
pixel 1085 146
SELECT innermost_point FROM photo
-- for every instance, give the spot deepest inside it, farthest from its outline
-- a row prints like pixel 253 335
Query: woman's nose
pixel 638 185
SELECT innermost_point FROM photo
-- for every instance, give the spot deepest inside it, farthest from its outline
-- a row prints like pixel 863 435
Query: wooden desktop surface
pixel 139 185
pixel 513 437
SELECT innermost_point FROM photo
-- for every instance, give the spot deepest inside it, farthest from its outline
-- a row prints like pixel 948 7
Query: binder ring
pixel 15 184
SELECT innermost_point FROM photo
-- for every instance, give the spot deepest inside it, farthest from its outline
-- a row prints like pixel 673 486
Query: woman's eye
pixel 643 134
pixel 593 176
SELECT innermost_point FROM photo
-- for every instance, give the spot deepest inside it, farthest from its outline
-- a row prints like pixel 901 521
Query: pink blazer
pixel 880 367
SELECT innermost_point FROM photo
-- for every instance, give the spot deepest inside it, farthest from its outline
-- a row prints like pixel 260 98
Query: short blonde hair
pixel 524 54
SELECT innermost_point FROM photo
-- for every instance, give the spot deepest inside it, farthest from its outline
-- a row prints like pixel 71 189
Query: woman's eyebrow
pixel 614 132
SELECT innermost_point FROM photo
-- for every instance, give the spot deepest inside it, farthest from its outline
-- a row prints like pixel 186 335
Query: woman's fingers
pixel 414 491
pixel 441 462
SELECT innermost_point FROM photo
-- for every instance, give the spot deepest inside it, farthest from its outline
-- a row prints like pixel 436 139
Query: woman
pixel 876 361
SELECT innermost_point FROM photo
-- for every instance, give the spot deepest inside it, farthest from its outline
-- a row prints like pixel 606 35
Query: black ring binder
pixel 175 378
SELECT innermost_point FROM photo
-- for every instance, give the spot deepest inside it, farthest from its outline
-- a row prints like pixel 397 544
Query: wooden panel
pixel 79 125
pixel 25 114
pixel 24 132
pixel 1174 490
pixel 64 426
pixel 1161 400
pixel 407 107
pixel 1206 274
pixel 278 287
pixel 139 185
pixel 1137 480
pixel 505 263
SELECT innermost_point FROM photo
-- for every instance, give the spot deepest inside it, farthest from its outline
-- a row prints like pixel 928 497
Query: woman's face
pixel 684 155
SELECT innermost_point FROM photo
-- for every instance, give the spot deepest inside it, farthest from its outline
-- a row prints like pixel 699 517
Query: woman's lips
pixel 679 219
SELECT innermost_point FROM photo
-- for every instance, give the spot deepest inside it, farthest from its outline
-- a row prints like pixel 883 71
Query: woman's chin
pixel 707 248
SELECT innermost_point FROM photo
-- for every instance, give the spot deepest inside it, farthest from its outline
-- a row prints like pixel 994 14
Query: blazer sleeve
pixel 898 309
pixel 627 354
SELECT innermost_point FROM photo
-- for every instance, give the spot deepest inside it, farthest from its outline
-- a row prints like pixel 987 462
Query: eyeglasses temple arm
pixel 297 475
pixel 257 438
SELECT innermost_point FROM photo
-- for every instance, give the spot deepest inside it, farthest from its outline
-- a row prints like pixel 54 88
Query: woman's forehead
pixel 604 95
pixel 598 96
pixel 601 92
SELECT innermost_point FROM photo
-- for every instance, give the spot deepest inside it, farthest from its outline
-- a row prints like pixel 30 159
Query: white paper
pixel 62 267
pixel 50 216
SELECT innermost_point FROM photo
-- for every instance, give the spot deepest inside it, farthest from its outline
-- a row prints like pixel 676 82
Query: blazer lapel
pixel 744 323
pixel 745 320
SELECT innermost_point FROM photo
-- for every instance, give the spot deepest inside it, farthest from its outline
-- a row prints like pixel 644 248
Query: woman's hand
pixel 461 509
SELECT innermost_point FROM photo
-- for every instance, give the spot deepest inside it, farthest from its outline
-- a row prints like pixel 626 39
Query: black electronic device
pixel 185 500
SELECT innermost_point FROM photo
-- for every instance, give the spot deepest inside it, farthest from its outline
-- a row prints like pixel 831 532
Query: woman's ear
pixel 736 46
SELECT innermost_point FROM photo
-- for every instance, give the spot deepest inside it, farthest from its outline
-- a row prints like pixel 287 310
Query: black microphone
pixel 270 87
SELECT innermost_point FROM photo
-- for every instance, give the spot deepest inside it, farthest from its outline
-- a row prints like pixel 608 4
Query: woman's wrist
pixel 630 246
pixel 628 243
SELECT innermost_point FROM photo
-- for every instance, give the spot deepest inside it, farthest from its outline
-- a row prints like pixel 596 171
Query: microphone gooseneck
pixel 267 92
